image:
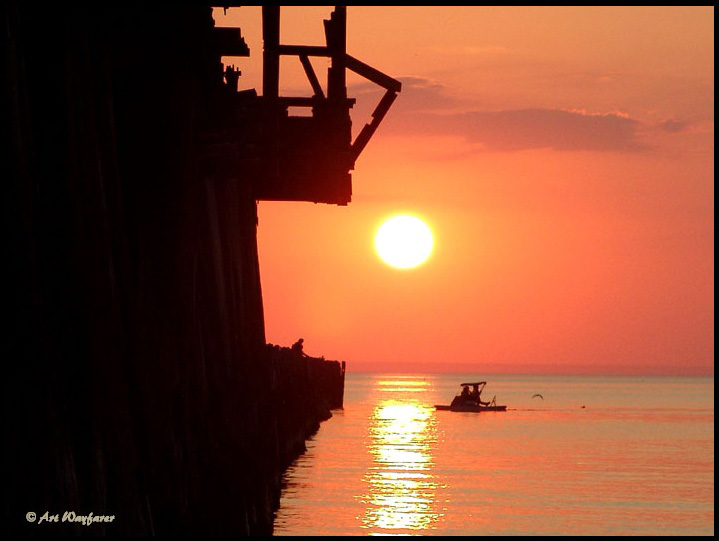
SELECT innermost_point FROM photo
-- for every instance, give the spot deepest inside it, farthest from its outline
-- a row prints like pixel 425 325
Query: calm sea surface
pixel 637 459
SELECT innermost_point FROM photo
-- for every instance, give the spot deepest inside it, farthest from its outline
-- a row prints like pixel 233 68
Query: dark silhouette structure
pixel 138 382
pixel 316 152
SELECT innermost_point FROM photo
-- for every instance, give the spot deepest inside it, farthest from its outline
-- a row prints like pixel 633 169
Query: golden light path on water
pixel 637 460
pixel 401 488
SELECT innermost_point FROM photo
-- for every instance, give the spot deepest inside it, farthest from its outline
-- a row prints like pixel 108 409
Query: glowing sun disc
pixel 404 242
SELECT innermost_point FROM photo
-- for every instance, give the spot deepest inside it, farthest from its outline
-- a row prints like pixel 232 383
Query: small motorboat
pixel 471 401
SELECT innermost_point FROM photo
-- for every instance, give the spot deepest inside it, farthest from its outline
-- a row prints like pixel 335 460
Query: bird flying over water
pixel 539 395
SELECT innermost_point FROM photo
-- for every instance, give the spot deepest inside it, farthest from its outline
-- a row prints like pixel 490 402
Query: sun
pixel 404 242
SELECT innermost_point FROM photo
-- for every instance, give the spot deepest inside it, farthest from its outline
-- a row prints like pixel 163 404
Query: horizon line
pixel 524 370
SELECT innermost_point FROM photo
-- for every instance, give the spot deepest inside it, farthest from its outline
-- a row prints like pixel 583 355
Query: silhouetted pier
pixel 138 380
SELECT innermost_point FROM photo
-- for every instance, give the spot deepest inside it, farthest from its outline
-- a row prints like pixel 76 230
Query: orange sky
pixel 564 159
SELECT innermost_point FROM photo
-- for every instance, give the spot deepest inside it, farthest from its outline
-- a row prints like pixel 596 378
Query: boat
pixel 471 401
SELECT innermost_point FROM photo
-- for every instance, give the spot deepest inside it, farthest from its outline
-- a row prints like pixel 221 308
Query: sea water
pixel 590 456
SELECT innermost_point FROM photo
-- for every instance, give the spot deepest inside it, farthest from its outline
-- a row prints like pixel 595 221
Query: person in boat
pixel 462 398
pixel 477 396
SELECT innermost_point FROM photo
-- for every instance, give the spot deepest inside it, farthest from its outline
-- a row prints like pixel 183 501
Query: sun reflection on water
pixel 401 486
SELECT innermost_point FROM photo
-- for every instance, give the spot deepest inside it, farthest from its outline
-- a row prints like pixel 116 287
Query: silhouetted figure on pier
pixel 297 348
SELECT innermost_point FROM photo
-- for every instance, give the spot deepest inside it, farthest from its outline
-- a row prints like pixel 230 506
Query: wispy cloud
pixel 418 95
pixel 429 109
pixel 673 126
pixel 426 108
pixel 535 128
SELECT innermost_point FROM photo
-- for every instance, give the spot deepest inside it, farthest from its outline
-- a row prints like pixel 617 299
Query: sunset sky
pixel 563 158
